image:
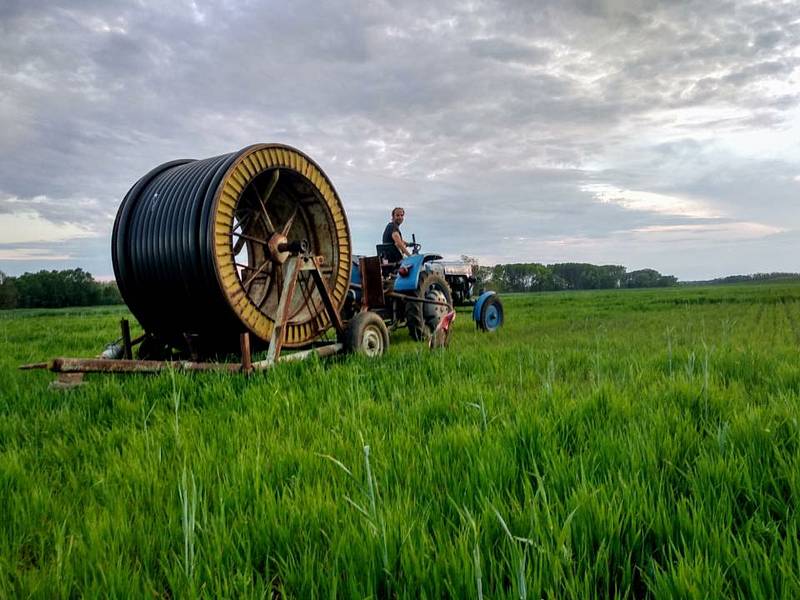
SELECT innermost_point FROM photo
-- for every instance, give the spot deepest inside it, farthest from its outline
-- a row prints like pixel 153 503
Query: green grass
pixel 619 443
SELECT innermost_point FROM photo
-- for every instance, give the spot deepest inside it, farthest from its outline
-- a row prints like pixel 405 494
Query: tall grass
pixel 609 444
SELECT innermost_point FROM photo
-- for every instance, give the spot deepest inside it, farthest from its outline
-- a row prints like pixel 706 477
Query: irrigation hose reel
pixel 201 249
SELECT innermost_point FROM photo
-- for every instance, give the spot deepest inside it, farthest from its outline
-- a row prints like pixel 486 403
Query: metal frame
pixel 70 370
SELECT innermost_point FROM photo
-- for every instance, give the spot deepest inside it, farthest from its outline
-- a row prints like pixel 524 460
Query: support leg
pixel 282 314
pixel 127 347
pixel 247 358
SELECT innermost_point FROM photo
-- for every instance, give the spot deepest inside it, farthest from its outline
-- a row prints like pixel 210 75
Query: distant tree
pixel 109 293
pixel 53 289
pixel 667 281
pixel 8 292
pixel 481 274
pixel 584 276
pixel 746 278
pixel 536 277
pixel 522 277
pixel 643 278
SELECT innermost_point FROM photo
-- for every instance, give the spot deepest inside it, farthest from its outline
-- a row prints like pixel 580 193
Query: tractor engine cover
pixel 195 246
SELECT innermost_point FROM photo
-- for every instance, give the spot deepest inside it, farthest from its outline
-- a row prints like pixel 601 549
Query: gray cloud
pixel 488 120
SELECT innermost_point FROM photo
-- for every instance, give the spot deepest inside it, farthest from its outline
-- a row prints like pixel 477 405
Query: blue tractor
pixel 415 293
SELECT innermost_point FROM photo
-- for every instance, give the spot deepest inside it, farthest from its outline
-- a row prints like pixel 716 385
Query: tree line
pixel 76 287
pixel 56 289
pixel 778 276
pixel 536 277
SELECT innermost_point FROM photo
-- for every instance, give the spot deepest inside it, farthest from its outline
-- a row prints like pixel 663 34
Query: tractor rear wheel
pixel 422 318
pixel 366 334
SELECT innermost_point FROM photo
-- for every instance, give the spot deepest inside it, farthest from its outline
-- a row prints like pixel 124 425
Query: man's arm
pixel 400 244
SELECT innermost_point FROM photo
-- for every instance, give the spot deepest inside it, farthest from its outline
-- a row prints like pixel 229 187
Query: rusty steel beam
pixel 31 366
pixel 106 365
pixel 282 314
pixel 414 299
pixel 320 351
pixel 325 294
pixel 247 359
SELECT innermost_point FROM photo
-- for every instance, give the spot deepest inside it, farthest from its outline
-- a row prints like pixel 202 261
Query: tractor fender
pixel 415 264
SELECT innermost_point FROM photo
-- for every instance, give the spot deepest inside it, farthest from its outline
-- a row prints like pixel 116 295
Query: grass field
pixel 625 443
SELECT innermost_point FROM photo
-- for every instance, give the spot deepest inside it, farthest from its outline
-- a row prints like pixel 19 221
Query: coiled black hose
pixel 175 268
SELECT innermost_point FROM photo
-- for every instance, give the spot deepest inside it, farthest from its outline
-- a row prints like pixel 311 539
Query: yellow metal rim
pixel 251 162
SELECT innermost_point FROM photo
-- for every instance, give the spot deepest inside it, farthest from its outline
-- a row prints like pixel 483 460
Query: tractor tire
pixel 366 334
pixel 422 319
pixel 492 315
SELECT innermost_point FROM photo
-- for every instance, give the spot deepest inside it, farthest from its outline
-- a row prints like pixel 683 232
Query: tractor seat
pixel 388 252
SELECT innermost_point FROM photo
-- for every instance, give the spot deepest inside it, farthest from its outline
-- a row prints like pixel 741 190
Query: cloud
pixel 650 202
pixel 727 232
pixel 23 227
pixel 31 255
pixel 560 120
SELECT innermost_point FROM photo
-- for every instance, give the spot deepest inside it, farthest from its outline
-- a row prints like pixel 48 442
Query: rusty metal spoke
pixel 255 274
pixel 263 202
pixel 267 288
pixel 308 294
pixel 279 278
pixel 289 223
pixel 237 247
pixel 251 238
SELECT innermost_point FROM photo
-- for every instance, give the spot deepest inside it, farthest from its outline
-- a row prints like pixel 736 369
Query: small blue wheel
pixel 491 316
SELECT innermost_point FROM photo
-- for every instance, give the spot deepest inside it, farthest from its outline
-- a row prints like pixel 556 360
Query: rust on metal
pixel 325 293
pixel 247 359
pixel 260 199
pixel 282 314
pixel 274 197
pixel 106 365
pixel 297 266
pixel 372 293
pixel 415 299
pixel 278 256
pixel 31 366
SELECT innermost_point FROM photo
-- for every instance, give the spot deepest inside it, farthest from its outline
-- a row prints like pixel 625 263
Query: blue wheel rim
pixel 492 317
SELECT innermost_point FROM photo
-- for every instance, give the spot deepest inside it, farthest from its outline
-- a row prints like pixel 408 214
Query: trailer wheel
pixel 366 334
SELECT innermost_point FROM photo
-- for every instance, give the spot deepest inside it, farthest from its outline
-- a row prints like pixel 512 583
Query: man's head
pixel 398 214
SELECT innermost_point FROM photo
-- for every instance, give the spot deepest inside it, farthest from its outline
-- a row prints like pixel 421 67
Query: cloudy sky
pixel 647 134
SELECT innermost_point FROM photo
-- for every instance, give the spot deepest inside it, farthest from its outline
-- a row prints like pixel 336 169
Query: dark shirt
pixel 393 255
pixel 387 233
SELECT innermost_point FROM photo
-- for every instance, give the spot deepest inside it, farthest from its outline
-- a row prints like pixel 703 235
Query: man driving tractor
pixel 392 235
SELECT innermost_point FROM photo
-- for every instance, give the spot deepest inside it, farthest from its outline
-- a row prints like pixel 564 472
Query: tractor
pixel 415 293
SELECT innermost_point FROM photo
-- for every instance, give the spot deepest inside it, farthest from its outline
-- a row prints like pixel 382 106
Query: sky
pixel 659 135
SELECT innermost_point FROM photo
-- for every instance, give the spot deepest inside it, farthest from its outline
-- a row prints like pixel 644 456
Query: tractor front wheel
pixel 422 317
pixel 491 317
